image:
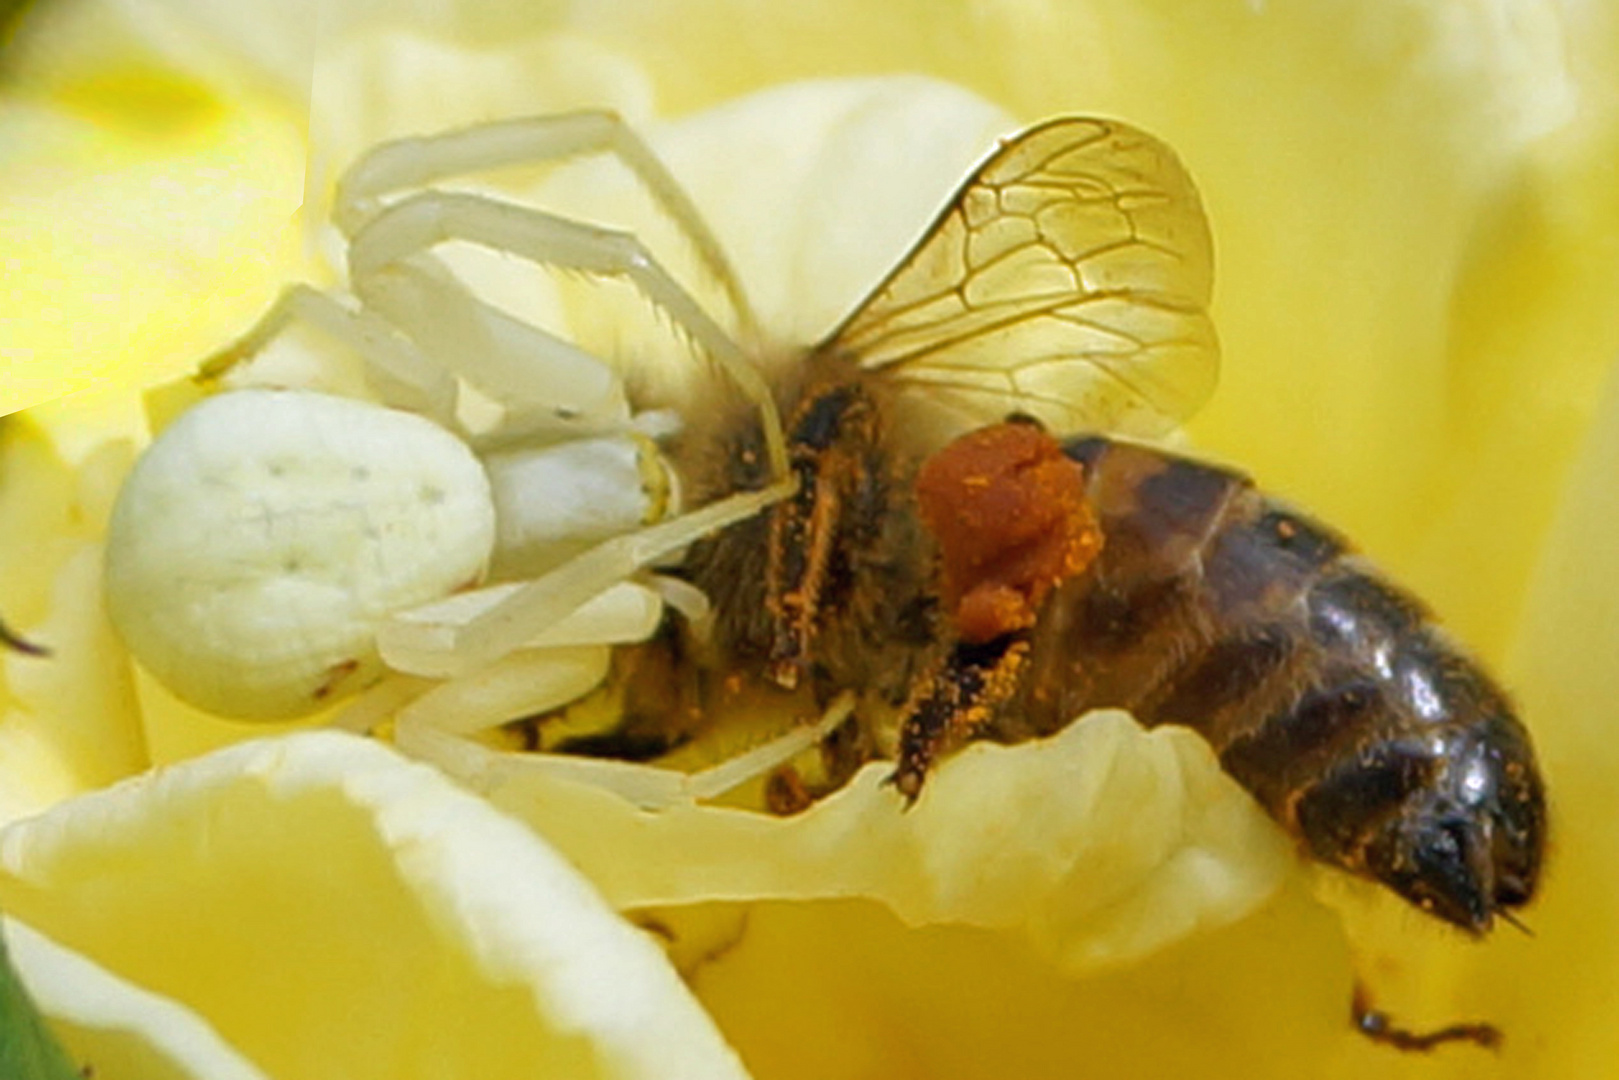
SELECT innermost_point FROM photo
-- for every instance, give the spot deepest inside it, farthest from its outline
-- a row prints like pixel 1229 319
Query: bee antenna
pixel 1514 922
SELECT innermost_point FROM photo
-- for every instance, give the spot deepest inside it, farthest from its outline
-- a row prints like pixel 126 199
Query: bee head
pixel 1467 847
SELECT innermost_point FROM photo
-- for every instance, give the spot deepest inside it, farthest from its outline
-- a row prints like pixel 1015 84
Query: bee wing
pixel 1067 279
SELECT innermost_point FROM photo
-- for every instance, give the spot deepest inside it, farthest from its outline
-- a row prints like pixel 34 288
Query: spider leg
pixel 536 605
pixel 398 372
pixel 419 222
pixel 520 683
pixel 392 271
pixel 419 162
pixel 648 786
pixel 543 382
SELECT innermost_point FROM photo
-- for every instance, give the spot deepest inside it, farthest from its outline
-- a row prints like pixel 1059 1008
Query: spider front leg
pixel 418 162
pixel 386 271
pixel 483 344
pixel 395 369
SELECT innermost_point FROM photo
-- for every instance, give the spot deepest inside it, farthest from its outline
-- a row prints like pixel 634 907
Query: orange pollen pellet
pixel 1008 510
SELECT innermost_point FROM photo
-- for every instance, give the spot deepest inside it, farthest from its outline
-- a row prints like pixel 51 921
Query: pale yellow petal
pixel 67 719
pixel 811 991
pixel 1417 229
pixel 1550 989
pixel 147 210
pixel 396 81
pixel 1106 896
pixel 334 911
pixel 1563 982
pixel 114 1027
pixel 126 264
pixel 1097 847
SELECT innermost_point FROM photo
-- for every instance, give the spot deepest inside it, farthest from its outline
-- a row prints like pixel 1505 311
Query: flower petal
pixel 1106 895
pixel 146 210
pixel 127 258
pixel 446 935
pixel 115 1027
pixel 1098 846
pixel 67 718
pixel 1560 981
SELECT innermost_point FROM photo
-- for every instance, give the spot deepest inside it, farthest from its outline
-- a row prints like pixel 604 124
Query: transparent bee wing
pixel 1067 279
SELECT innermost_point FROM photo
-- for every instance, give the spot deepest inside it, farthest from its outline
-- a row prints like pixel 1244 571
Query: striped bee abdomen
pixel 1325 690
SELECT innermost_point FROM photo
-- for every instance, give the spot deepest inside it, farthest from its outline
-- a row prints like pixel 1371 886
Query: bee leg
pixel 787 793
pixel 1376 1026
pixel 830 446
pixel 662 707
pixel 954 699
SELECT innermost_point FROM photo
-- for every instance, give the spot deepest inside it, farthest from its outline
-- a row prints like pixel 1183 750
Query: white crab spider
pixel 199 548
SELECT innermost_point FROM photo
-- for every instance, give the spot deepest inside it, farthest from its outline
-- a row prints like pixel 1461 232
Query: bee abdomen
pixel 1213 605
pixel 1325 690
pixel 1195 612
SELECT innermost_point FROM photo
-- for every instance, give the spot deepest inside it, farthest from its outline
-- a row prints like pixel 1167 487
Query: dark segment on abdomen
pixel 1324 689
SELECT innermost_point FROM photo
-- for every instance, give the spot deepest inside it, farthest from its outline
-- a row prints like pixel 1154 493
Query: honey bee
pixel 980 549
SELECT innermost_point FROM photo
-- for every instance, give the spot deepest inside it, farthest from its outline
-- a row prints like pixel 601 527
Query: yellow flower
pixel 1418 242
